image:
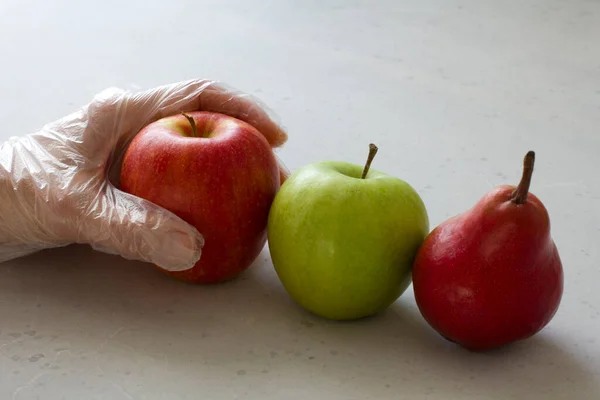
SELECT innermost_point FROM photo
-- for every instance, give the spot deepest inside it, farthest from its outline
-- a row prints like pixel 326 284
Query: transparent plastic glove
pixel 59 186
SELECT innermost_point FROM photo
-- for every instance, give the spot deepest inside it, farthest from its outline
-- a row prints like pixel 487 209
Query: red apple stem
pixel 519 195
pixel 372 151
pixel 192 123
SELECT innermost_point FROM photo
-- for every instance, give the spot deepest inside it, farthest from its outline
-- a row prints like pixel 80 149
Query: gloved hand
pixel 59 186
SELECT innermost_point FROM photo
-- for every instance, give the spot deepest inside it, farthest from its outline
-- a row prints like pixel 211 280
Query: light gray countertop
pixel 453 92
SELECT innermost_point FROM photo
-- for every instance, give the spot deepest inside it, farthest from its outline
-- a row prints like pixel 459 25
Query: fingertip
pixel 179 251
pixel 276 136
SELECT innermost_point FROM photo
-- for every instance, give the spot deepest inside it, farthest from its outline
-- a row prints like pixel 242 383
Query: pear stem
pixel 192 123
pixel 372 151
pixel 519 195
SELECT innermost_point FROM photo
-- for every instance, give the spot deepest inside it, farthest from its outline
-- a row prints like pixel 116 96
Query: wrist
pixel 11 166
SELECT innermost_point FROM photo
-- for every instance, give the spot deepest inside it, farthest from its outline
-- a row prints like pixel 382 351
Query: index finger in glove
pixel 140 109
pixel 218 98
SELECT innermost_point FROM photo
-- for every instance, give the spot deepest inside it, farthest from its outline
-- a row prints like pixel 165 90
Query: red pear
pixel 492 275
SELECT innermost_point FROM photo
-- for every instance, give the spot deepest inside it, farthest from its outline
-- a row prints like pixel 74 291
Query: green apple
pixel 343 238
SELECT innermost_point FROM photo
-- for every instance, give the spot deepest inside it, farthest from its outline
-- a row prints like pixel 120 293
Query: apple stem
pixel 372 151
pixel 519 195
pixel 192 123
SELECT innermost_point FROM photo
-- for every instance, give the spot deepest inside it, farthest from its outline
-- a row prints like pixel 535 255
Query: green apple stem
pixel 372 151
pixel 192 123
pixel 519 195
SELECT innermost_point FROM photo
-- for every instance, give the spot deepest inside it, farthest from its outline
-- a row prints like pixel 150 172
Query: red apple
pixel 215 172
